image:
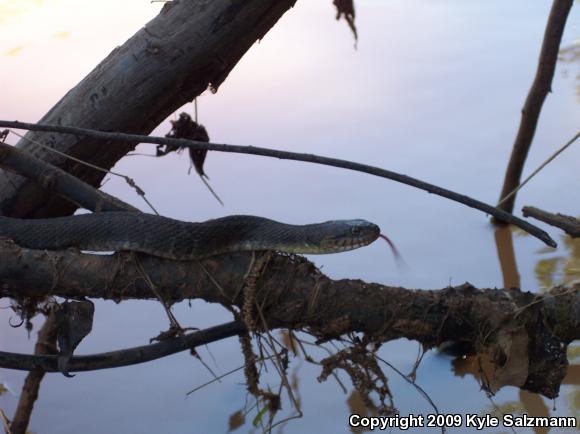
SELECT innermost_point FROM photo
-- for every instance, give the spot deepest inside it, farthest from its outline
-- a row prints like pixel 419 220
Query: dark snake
pixel 175 239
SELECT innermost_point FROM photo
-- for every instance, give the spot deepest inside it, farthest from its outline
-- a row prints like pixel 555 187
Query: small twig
pixel 174 323
pixel 54 179
pixel 279 365
pixel 285 384
pixel 5 422
pixel 285 155
pixel 413 374
pixel 414 384
pixel 221 377
pixel 211 190
pixel 535 172
pixel 127 179
pixel 568 224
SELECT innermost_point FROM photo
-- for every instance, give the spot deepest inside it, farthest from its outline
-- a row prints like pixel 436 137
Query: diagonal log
pixel 190 46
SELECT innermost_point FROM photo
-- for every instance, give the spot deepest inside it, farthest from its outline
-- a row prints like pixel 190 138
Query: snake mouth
pixel 355 234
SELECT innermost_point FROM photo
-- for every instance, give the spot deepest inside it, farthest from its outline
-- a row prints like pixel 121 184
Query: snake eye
pixel 355 230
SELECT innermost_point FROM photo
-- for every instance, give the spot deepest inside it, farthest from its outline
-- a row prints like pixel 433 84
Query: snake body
pixel 175 239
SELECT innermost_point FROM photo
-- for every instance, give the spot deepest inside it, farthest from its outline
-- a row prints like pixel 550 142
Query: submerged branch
pixel 526 334
pixel 285 155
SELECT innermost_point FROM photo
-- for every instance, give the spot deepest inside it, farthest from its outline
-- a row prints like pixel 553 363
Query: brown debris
pixel 186 128
pixel 345 8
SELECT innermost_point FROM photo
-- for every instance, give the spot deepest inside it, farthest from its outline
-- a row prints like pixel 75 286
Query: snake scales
pixel 174 239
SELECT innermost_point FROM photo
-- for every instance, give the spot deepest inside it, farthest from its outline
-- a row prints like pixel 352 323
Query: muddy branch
pixel 521 330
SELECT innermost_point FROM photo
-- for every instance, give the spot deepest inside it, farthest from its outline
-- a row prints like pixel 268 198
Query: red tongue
pixel 396 253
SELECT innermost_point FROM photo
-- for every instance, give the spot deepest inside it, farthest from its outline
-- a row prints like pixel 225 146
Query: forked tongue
pixel 394 250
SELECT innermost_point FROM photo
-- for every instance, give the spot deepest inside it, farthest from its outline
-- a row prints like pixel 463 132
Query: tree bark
pixel 189 46
pixel 292 293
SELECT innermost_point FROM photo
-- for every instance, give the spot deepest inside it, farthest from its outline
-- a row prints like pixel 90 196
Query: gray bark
pixel 189 46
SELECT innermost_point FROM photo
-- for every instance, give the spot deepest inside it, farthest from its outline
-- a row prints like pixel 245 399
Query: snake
pixel 180 240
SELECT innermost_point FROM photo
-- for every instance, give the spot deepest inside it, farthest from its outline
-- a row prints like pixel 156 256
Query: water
pixel 433 90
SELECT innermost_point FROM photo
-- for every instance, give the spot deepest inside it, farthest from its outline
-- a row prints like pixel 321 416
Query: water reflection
pixel 561 268
pixel 570 57
pixel 549 272
pixel 507 256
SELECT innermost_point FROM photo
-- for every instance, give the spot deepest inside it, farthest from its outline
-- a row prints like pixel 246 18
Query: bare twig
pixel 213 380
pixel 46 344
pixel 285 155
pixel 568 224
pixel 172 320
pixel 544 164
pixel 538 91
pixel 55 179
pixel 414 384
pixel 130 181
pixel 5 422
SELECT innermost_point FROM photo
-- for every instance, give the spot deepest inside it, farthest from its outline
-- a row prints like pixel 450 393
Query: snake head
pixel 343 235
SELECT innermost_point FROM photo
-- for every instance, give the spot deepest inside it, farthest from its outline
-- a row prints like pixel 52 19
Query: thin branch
pixel 46 344
pixel 130 356
pixel 130 181
pixel 285 155
pixel 568 224
pixel 414 384
pixel 544 164
pixel 213 380
pixel 537 95
pixel 54 179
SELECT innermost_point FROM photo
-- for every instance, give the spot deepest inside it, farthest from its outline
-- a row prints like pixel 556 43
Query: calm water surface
pixel 433 90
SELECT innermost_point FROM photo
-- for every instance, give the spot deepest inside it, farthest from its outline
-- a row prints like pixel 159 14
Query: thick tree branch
pixel 568 224
pixel 310 158
pixel 533 106
pixel 293 294
pixel 189 46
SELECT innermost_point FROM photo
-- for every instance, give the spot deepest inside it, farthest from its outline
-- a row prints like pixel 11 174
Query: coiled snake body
pixel 174 239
